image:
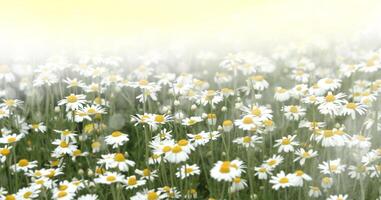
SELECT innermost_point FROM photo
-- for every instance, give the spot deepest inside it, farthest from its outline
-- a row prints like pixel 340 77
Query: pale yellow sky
pixel 75 20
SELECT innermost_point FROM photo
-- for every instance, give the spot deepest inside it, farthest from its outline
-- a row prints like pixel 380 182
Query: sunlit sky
pixel 71 21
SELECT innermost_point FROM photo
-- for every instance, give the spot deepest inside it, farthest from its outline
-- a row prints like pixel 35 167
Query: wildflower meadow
pixel 288 123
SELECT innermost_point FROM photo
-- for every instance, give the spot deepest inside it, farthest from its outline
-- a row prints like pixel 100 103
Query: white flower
pixel 338 197
pixel 286 144
pixel 332 167
pixel 73 102
pixel 248 141
pixel 227 170
pixel 188 170
pixel 281 180
pixel 294 112
pixel 116 139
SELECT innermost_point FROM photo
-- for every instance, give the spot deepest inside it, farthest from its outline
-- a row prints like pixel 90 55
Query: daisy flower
pixel 294 112
pixel 110 178
pixel 74 83
pixel 11 103
pixel 331 104
pixel 148 195
pixel 116 139
pixel 132 182
pixel 28 193
pixel 263 172
pixel 116 160
pixel 38 127
pixel 4 112
pixel 248 141
pixel 238 184
pixel 329 84
pixel 63 147
pixel 332 167
pixel 281 180
pixel 286 144
pixel 4 152
pixel 314 192
pixel 303 155
pixel 88 197
pixel 351 108
pixel 147 174
pixel 187 170
pixel 274 161
pixel 24 165
pixel 73 102
pixel 281 94
pixel 300 176
pixel 247 123
pixel 191 121
pixel 357 172
pixel 227 170
pixel 258 82
pixel 338 197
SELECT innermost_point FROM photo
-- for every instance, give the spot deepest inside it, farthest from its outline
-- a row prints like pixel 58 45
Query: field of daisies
pixel 288 124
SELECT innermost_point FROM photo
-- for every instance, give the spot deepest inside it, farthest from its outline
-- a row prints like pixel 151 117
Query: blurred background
pixel 41 26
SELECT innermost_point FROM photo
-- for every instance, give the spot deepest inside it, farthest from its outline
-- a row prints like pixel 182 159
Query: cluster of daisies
pixel 290 125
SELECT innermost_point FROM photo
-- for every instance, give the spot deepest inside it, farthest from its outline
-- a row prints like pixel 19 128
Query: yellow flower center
pixel 72 98
pixel 328 133
pixel 146 172
pixel 143 82
pixel 77 152
pixel 246 139
pixel 330 98
pixel 188 170
pixel 35 126
pixel 10 102
pixel 257 78
pixel 10 197
pixel 5 152
pixel 271 162
pixel 166 149
pixel 256 111
pixel 283 180
pixel 293 109
pixel 262 169
pixel 227 123
pixel 332 167
pixel 197 137
pixel 299 173
pixel 351 106
pixel 237 180
pixel 225 167
pixel 159 118
pixel 116 134
pixel 152 196
pixel 91 111
pixel 11 139
pixel 176 149
pixel 64 144
pixel 23 163
pixel 247 120
pixel 27 194
pixel 63 187
pixel 119 157
pixel 268 122
pixel 306 154
pixel 182 142
pixel 132 181
pixel 62 194
pixel 326 180
pixel 286 141
pixel 111 178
